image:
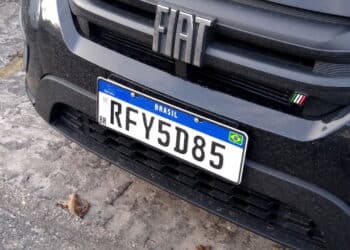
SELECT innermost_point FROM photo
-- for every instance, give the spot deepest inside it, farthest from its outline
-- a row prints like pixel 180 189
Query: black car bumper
pixel 296 182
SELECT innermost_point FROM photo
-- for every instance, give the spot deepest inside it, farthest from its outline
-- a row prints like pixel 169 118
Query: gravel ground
pixel 38 167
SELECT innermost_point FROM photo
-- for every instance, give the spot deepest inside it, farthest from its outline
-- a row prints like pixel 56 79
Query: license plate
pixel 202 142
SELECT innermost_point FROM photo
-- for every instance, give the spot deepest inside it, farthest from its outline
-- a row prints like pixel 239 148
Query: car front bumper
pixel 295 163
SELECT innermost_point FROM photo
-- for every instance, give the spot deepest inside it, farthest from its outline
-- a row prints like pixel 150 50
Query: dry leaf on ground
pixel 202 247
pixel 75 205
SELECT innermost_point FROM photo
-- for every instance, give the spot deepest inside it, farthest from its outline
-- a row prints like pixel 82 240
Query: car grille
pixel 130 32
pixel 209 77
pixel 237 200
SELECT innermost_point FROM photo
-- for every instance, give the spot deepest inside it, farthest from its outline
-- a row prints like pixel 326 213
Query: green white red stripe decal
pixel 298 98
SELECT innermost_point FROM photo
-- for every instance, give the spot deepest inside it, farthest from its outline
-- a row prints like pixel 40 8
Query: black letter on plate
pixel 180 133
pixel 117 113
pixel 220 156
pixel 128 120
pixel 147 126
pixel 161 130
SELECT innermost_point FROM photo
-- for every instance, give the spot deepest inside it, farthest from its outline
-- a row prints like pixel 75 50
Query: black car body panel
pixel 335 7
pixel 298 159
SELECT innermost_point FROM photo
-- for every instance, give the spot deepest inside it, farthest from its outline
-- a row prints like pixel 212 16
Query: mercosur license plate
pixel 207 144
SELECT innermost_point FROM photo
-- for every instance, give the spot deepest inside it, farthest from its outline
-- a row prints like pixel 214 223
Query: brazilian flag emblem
pixel 236 138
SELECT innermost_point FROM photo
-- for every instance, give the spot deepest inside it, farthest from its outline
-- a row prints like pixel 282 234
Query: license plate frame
pixel 129 96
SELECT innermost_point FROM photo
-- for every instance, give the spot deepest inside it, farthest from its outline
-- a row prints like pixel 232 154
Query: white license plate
pixel 207 144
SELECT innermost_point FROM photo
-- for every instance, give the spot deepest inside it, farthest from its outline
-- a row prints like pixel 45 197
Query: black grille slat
pixel 125 142
pixel 221 185
pixel 260 203
pixel 220 195
pixel 298 228
pixel 186 180
pixel 97 128
pixel 299 218
pixel 238 198
pixel 154 155
pixel 249 85
pixel 98 137
pixel 131 48
pixel 262 214
pixel 74 123
pixel 186 170
pixel 153 164
pixel 225 82
pixel 125 151
pixel 142 7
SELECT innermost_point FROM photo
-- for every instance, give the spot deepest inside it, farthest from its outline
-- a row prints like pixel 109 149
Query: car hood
pixel 334 7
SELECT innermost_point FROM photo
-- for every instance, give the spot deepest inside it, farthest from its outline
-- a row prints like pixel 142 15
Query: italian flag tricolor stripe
pixel 298 98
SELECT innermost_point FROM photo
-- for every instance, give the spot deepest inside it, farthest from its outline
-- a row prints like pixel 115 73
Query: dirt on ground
pixel 39 167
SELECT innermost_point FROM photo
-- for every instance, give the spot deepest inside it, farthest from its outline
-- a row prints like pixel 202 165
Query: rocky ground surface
pixel 38 167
